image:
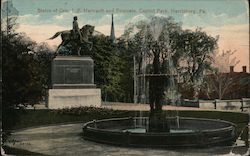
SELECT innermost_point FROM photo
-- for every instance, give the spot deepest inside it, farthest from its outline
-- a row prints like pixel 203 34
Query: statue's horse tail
pixel 57 34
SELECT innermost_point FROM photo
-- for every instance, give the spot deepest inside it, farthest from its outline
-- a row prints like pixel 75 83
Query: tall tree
pixel 23 75
pixel 108 66
pixel 198 48
pixel 171 51
pixel 43 56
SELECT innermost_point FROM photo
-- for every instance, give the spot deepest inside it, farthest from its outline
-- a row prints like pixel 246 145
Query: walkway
pixel 66 140
pixel 145 107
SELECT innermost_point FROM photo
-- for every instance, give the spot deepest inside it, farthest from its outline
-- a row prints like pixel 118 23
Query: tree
pixel 108 67
pixel 171 51
pixel 219 82
pixel 198 48
pixel 43 56
pixel 23 75
pixel 127 70
pixel 16 60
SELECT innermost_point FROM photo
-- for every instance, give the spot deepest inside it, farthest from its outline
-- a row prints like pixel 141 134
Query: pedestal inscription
pixel 67 70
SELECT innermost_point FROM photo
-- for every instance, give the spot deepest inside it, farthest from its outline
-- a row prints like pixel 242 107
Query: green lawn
pixel 19 119
pixel 30 118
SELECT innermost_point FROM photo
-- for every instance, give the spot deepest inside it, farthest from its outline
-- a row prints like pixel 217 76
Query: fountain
pixel 159 130
pixel 189 132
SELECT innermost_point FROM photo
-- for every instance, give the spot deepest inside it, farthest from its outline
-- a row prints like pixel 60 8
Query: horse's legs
pixel 59 48
pixel 62 44
pixel 91 46
pixel 78 52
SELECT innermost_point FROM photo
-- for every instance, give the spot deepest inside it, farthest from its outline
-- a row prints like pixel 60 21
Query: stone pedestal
pixel 62 98
pixel 73 83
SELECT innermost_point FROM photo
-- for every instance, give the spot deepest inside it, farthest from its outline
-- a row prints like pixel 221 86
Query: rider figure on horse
pixel 76 30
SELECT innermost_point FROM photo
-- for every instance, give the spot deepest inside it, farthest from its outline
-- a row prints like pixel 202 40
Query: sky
pixel 41 19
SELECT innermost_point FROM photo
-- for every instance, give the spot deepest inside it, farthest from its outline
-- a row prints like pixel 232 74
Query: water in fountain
pixel 143 99
pixel 172 87
pixel 155 29
pixel 143 72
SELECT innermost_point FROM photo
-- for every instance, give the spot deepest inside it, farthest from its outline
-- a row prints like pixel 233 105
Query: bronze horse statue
pixel 67 37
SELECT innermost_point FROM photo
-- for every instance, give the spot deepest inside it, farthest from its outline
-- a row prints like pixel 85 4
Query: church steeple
pixel 112 32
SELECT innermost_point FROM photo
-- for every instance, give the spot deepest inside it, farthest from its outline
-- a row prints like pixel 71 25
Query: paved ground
pixel 66 140
pixel 142 107
pixel 128 106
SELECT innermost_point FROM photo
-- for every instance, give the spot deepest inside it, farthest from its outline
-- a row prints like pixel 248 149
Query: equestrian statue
pixel 73 40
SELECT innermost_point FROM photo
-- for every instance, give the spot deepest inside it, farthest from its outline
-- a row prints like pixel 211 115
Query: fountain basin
pixel 184 132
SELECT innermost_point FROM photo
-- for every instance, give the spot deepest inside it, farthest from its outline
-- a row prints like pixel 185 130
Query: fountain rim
pixel 232 125
pixel 225 135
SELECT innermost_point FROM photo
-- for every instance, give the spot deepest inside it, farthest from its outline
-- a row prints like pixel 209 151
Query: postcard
pixel 135 77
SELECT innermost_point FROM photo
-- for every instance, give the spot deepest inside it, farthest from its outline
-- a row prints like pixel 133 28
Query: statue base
pixel 68 98
pixel 73 83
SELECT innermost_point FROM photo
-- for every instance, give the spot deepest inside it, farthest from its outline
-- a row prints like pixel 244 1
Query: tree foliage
pixel 172 51
pixel 23 73
pixel 221 83
pixel 168 48
pixel 198 49
pixel 154 42
pixel 110 70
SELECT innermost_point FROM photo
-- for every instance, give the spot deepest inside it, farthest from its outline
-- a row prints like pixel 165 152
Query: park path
pixel 146 107
pixel 66 140
pixel 142 107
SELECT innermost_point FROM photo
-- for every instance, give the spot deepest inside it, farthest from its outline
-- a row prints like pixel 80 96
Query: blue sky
pixel 40 19
pixel 223 8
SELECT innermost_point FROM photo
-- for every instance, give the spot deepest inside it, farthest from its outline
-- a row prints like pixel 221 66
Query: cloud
pixel 231 37
pixel 137 18
pixel 8 9
pixel 213 19
pixel 105 29
pixel 234 32
pixel 103 24
pixel 106 19
pixel 65 16
pixel 59 17
pixel 45 32
pixel 28 18
pixel 161 15
pixel 247 5
pixel 234 37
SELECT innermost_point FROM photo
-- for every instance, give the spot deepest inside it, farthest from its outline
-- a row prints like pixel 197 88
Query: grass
pixel 29 118
pixel 240 119
pixel 16 151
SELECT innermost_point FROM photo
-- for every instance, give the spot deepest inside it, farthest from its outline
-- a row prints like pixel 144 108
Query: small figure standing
pixel 76 30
